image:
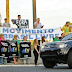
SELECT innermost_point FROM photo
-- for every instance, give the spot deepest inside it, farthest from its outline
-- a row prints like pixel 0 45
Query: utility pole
pixel 0 20
pixel 7 10
pixel 34 12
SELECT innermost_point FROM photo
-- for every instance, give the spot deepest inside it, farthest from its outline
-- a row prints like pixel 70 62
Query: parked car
pixel 57 52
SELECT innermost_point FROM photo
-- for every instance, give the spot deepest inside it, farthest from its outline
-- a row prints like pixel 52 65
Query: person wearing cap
pixel 6 24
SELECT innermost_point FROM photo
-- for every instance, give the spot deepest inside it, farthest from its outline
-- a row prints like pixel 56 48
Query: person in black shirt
pixel 36 51
pixel 62 36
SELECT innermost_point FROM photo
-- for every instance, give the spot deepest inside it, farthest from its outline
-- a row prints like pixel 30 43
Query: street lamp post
pixel 7 10
pixel 34 12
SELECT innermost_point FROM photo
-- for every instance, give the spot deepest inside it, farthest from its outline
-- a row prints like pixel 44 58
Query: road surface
pixel 32 68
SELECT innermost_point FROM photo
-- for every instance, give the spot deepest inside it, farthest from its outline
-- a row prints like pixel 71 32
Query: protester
pixel 36 51
pixel 15 39
pixel 18 20
pixel 42 43
pixel 62 36
pixel 37 24
pixel 2 37
pixel 66 28
pixel 56 38
pixel 24 38
pixel 6 24
pixel 14 58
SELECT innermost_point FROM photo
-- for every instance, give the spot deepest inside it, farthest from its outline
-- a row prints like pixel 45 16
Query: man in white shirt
pixel 37 24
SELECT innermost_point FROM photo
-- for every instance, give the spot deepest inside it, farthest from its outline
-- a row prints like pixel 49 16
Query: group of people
pixel 59 38
pixel 36 50
pixel 14 39
pixel 66 30
pixel 37 24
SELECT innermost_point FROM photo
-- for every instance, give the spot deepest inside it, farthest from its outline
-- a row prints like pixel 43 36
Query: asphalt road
pixel 41 68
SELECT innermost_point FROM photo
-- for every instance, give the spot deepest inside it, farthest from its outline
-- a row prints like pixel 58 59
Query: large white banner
pixel 30 33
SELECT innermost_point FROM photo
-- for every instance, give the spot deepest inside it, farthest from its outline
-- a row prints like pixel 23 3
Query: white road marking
pixel 18 65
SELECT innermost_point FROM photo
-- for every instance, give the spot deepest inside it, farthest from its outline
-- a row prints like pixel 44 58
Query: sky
pixel 52 13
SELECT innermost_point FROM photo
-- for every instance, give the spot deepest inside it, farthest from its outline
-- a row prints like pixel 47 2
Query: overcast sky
pixel 53 13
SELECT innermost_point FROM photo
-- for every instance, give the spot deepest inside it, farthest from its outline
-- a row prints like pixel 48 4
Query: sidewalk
pixel 18 65
pixel 26 65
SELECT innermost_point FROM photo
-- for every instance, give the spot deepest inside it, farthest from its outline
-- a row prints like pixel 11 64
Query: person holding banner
pixel 15 39
pixel 2 37
pixel 24 38
pixel 18 21
pixel 36 51
pixel 14 58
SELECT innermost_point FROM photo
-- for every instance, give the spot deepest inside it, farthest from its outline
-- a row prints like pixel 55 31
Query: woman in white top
pixel 42 42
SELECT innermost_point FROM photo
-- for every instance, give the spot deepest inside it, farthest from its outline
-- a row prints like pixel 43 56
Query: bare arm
pixel 9 25
pixel 13 21
pixel 42 26
pixel 70 29
pixel 40 44
pixel 3 25
pixel 35 24
pixel 61 29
